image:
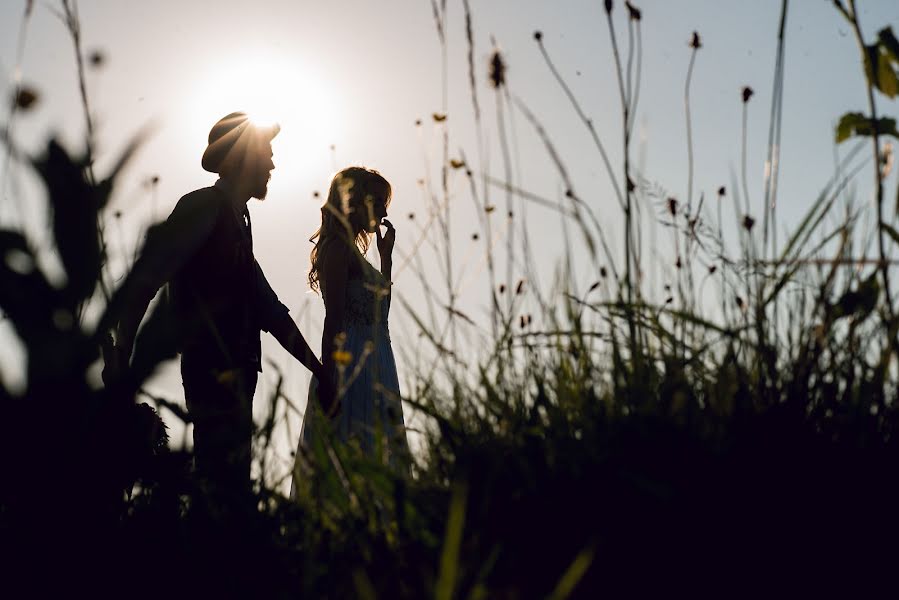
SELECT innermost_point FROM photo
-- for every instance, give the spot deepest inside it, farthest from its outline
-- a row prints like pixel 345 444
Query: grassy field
pixel 617 445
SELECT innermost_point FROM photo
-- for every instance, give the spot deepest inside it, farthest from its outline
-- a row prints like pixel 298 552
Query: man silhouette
pixel 220 300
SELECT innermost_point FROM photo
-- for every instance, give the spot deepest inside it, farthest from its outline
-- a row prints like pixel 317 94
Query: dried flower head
pixel 633 12
pixel 538 35
pixel 695 42
pixel 608 4
pixel 456 163
pixel 502 288
pixel 438 117
pixel 411 215
pixel 497 70
pixel 96 58
pixel 747 94
pixel 712 269
pixel 475 236
pixel 672 206
pixel 748 223
pixel 721 191
pixel 25 97
pixel 603 272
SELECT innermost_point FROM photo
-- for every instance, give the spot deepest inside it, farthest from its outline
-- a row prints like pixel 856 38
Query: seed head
pixel 497 69
pixel 633 12
pixel 538 35
pixel 747 94
pixel 672 206
pixel 695 42
pixel 25 97
pixel 748 223
pixel 97 58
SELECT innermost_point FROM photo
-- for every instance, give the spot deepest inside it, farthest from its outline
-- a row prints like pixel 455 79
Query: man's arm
pixel 168 246
pixel 290 337
pixel 276 320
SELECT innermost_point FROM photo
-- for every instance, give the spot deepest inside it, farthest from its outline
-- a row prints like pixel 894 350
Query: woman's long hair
pixel 353 190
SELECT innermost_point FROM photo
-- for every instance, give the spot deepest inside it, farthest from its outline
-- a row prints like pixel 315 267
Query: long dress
pixel 371 412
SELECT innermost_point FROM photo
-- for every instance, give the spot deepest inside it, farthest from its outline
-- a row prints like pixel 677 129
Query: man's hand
pixel 115 360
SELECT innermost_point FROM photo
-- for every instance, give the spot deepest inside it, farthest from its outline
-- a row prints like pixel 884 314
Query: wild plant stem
pixel 586 120
pixel 878 175
pixel 628 216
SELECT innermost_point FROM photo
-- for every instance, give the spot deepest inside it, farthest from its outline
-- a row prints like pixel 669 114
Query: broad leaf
pixel 879 70
pixel 74 206
pixel 859 302
pixel 852 124
pixel 889 43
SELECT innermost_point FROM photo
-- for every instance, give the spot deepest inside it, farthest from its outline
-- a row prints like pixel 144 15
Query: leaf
pixel 880 72
pixel 889 43
pixel 857 124
pixel 74 206
pixel 573 574
pixel 452 543
pixel 859 302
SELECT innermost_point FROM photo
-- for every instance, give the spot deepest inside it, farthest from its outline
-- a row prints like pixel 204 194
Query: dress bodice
pixel 367 299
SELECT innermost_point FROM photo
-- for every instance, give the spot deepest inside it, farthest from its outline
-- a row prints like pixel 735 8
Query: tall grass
pixel 606 444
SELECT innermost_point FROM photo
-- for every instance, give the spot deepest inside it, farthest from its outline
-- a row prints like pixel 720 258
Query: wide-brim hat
pixel 232 137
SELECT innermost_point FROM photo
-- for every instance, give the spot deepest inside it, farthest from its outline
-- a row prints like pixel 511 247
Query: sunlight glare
pixel 271 89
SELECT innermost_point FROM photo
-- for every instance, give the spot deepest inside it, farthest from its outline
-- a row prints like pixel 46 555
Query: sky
pixel 348 80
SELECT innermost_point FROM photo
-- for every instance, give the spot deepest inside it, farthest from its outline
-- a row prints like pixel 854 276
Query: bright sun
pixel 271 89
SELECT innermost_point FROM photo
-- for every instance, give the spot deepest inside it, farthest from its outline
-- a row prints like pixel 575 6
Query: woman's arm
pixel 385 249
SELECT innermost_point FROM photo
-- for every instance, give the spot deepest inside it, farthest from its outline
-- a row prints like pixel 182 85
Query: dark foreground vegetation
pixel 623 448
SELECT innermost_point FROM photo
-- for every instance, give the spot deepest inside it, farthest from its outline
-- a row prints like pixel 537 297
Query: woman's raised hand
pixel 386 241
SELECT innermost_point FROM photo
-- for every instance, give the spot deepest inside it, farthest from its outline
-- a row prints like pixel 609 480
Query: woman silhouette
pixel 356 342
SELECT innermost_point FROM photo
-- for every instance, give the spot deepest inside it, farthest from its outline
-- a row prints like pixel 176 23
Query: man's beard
pixel 262 188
